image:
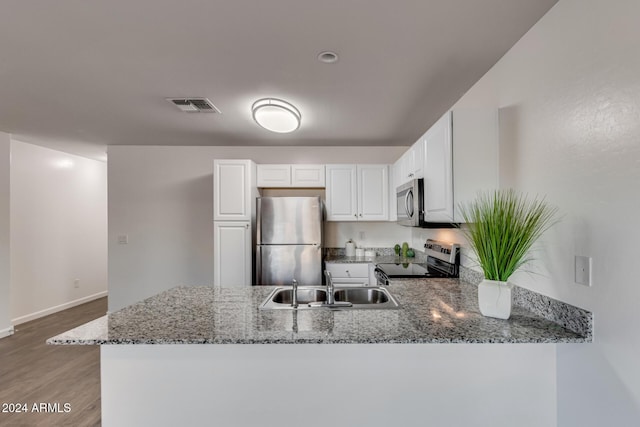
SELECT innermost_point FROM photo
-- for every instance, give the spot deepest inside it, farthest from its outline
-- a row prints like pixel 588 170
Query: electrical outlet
pixel 123 239
pixel 583 270
pixel 76 283
pixel 362 235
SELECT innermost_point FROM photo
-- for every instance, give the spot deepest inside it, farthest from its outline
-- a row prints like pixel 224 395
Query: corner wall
pixel 568 94
pixel 162 198
pixel 58 231
pixel 6 327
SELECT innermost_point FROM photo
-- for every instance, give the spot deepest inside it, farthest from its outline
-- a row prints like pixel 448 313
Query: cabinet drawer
pixel 343 282
pixel 346 271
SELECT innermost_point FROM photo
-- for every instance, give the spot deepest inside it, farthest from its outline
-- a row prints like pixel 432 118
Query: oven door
pixel 409 203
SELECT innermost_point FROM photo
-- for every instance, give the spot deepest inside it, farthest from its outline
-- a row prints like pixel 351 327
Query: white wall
pixel 162 198
pixel 569 100
pixel 6 327
pixel 58 230
pixel 443 385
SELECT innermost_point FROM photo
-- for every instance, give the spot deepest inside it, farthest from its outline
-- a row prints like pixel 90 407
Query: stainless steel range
pixel 443 260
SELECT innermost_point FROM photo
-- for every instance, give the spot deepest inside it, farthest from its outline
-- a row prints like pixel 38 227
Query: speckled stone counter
pixel 432 311
pixel 383 255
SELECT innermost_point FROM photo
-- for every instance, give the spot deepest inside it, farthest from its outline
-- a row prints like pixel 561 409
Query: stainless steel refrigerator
pixel 289 240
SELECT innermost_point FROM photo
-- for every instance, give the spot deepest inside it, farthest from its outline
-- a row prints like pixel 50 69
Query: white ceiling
pixel 79 75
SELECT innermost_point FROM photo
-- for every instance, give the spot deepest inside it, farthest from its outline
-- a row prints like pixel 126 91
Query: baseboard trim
pixel 6 332
pixel 57 308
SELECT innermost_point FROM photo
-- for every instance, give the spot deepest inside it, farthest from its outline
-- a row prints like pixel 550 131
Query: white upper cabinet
pixel 300 176
pixel 342 193
pixel 274 175
pixel 357 192
pixel 438 177
pixel 411 164
pixel 418 158
pixel 234 190
pixel 307 176
pixel 460 160
pixel 373 192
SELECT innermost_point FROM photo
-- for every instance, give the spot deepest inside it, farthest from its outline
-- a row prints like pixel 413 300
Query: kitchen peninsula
pixel 384 358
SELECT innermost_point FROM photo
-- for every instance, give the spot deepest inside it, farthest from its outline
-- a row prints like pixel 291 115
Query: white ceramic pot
pixel 494 298
pixel 350 248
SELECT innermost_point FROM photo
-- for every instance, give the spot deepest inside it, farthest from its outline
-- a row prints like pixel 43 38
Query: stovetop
pixel 442 261
pixel 405 270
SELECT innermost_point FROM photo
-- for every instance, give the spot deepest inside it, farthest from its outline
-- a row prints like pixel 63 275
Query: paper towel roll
pixel 350 248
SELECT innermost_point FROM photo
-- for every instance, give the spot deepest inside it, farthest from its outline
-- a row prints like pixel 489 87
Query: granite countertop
pixel 333 259
pixel 432 311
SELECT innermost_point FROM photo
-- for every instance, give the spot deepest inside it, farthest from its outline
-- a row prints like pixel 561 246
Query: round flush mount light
pixel 328 57
pixel 276 115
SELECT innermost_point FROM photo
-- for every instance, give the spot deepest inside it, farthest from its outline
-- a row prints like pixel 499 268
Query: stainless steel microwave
pixel 409 203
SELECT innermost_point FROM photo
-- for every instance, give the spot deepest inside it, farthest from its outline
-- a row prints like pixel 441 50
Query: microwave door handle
pixel 406 204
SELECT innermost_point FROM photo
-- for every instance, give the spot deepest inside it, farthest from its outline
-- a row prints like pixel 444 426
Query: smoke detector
pixel 194 105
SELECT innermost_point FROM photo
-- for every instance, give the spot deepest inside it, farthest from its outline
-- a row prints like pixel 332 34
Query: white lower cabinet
pixel 232 253
pixel 349 274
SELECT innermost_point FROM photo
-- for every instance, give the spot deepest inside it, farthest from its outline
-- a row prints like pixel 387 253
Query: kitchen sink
pixel 313 297
pixel 362 295
pixel 305 296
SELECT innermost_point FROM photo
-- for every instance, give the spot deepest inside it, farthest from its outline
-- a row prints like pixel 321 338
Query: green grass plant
pixel 501 228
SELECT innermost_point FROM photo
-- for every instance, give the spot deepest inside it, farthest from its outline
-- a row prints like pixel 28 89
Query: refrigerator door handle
pixel 258 266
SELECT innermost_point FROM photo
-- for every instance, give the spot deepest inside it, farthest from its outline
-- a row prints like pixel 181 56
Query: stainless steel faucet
pixel 330 296
pixel 294 293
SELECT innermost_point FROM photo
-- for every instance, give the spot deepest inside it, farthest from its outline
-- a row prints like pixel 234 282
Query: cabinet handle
pixel 360 215
pixel 356 215
pixel 246 226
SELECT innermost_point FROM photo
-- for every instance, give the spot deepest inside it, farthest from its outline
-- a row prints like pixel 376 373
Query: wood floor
pixel 34 372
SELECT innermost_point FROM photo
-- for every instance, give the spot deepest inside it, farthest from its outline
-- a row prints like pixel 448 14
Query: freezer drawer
pixel 280 264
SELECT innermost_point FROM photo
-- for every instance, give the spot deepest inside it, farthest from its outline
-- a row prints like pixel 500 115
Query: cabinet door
pixel 307 176
pixel 232 253
pixel 418 158
pixel 438 176
pixel 341 193
pixel 405 168
pixel 394 182
pixel 232 190
pixel 274 176
pixel 373 192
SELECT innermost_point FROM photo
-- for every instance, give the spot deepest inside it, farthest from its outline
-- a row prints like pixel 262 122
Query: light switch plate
pixel 583 270
pixel 123 239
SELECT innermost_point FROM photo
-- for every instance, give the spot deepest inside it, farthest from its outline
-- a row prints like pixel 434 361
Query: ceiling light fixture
pixel 328 57
pixel 276 115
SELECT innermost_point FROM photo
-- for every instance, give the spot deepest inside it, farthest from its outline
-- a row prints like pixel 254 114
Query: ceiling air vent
pixel 194 105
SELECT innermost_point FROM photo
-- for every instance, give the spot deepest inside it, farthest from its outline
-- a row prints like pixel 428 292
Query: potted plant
pixel 501 228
